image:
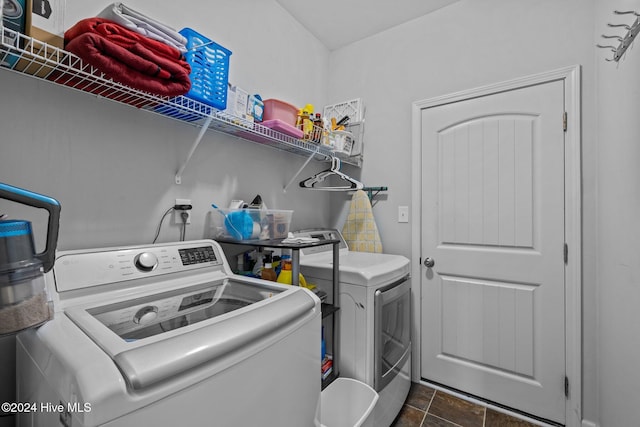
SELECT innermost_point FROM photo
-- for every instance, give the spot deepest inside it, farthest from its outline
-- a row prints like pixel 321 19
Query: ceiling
pixel 337 23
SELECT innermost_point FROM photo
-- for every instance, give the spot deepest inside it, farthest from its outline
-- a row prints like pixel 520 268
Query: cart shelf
pixel 330 311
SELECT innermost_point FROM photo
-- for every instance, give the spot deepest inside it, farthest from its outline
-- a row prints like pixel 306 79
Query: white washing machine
pixel 167 335
pixel 375 317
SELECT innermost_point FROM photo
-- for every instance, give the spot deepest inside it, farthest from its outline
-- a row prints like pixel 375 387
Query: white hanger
pixel 310 183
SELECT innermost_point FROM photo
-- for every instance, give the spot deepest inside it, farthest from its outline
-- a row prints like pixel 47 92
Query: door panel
pixel 486 186
pixel 470 307
pixel 493 220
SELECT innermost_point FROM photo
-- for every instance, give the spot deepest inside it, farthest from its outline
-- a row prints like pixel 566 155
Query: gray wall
pixel 617 264
pixel 112 166
pixel 463 46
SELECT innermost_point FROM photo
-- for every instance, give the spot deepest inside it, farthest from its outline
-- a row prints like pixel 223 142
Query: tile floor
pixel 426 407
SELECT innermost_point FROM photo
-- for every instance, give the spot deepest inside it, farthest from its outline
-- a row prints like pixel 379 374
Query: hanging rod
pixel 370 191
pixel 626 40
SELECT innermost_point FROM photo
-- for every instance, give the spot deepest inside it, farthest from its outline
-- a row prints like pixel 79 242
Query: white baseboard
pixel 587 423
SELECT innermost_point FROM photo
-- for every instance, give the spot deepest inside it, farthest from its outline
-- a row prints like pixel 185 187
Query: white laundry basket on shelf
pixel 346 403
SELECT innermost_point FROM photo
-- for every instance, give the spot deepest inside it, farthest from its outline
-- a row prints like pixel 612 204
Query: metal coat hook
pixel 619 25
pixel 624 41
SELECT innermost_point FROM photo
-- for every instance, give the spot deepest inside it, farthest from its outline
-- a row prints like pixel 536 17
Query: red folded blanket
pixel 129 58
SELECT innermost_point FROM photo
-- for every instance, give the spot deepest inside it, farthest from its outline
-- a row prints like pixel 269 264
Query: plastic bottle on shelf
pixel 305 120
pixel 268 273
pixel 317 128
pixel 256 256
pixel 286 275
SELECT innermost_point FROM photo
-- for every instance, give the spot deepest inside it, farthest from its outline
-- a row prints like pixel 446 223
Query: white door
pixel 493 304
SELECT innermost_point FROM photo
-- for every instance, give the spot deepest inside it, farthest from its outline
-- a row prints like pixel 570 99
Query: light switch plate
pixel 403 213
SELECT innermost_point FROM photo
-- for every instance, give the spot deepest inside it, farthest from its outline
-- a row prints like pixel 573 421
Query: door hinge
pixel 566 253
pixel 566 387
pixel 564 121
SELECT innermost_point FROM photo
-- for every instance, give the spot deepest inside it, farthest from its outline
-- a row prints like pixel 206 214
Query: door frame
pixel 571 76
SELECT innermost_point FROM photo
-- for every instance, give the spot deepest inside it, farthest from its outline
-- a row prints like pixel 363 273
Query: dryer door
pixel 392 335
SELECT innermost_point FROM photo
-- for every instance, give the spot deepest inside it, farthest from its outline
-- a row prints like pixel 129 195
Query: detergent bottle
pixel 268 272
pixel 305 120
pixel 286 275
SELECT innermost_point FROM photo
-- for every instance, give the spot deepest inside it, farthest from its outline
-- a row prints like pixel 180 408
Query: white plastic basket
pixel 341 142
pixel 354 109
pixel 347 403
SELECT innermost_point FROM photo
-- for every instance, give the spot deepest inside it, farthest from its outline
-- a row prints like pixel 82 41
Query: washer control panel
pixel 88 268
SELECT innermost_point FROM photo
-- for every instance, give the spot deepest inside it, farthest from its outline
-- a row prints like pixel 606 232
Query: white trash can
pixel 346 403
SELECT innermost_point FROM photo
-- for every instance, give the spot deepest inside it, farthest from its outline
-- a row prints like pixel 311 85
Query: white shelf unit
pixel 28 56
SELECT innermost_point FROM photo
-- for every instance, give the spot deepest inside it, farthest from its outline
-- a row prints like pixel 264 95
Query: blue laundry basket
pixel 209 79
pixel 209 69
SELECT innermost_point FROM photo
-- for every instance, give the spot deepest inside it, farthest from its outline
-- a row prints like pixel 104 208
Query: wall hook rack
pixel 624 41
pixel 373 192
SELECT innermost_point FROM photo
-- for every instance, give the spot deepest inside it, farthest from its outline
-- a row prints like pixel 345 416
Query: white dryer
pixel 167 335
pixel 375 317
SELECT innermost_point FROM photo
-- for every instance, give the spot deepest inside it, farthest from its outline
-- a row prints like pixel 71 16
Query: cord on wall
pixel 160 223
pixel 182 208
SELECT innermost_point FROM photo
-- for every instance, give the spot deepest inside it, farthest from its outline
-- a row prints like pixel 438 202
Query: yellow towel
pixel 360 230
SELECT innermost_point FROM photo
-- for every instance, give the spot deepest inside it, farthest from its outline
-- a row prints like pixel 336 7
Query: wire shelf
pixel 29 56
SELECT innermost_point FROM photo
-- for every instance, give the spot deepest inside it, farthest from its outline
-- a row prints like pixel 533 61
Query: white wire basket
pixel 353 108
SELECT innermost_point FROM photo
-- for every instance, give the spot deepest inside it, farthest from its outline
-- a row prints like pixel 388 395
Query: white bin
pixel 346 403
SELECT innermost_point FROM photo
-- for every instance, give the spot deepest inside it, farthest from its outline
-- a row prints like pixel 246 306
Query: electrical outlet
pixel 403 213
pixel 177 214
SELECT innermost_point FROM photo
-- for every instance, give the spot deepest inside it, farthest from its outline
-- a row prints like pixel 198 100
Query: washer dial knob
pixel 146 314
pixel 146 261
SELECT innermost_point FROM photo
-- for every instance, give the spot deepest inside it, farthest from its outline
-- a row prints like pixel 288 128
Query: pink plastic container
pixel 274 109
pixel 283 127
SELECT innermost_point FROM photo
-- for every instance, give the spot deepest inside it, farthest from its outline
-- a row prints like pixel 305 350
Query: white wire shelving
pixel 31 57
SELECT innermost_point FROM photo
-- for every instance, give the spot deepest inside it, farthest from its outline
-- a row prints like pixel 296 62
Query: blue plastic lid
pixel 14 227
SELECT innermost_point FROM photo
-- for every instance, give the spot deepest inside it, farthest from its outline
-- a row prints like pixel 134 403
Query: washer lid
pixel 357 268
pixel 215 339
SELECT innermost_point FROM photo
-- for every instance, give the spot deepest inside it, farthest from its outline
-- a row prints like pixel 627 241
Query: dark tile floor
pixel 426 407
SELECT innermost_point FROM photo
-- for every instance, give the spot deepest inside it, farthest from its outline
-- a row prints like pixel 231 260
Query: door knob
pixel 429 262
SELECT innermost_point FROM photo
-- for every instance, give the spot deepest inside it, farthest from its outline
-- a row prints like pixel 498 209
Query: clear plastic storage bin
pixel 250 224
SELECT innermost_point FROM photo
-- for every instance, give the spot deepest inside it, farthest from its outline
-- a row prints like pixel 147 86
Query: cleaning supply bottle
pixel 317 128
pixel 286 275
pixel 306 120
pixel 258 264
pixel 268 273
